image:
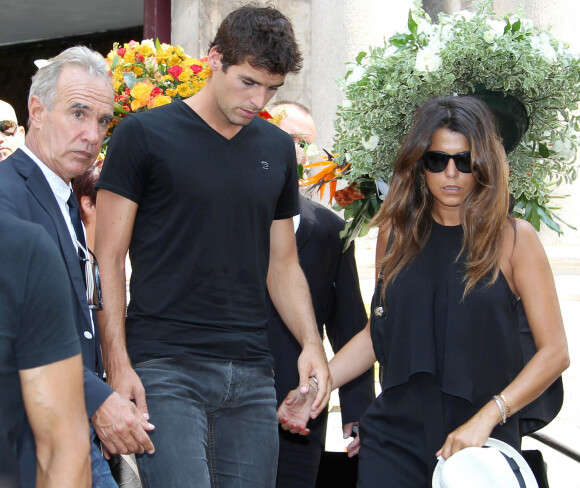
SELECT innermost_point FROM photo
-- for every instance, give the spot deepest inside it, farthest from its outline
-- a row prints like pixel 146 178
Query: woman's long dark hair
pixel 483 213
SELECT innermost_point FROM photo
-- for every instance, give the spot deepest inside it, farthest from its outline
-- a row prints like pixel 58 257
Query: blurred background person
pixel 334 287
pixel 11 134
pixel 84 189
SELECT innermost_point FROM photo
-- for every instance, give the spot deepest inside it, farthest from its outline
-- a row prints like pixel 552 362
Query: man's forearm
pixel 112 318
pixel 290 294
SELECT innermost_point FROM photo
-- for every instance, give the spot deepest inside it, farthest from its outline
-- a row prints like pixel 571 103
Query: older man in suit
pixel 333 281
pixel 70 107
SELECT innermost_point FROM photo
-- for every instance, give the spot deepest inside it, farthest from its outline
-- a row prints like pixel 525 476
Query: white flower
pixel 447 33
pixel 427 60
pixel 311 151
pixel 542 44
pixel 371 143
pixel 148 42
pixel 424 27
pixel 356 75
pixel 497 27
pixel 346 104
pixel 489 36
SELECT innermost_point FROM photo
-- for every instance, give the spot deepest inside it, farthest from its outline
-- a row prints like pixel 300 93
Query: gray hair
pixel 44 81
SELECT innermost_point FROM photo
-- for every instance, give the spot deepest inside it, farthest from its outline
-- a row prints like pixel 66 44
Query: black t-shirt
pixel 36 322
pixel 200 245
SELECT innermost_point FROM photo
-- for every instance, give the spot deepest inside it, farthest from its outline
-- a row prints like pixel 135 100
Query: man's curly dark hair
pixel 262 36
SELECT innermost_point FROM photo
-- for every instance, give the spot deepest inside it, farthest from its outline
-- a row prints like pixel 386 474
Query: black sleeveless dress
pixel 442 357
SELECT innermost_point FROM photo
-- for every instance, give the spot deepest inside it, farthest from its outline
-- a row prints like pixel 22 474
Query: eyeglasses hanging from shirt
pixel 92 277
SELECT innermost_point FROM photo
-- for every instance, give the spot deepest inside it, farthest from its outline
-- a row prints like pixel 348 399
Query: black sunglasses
pixel 8 127
pixel 437 161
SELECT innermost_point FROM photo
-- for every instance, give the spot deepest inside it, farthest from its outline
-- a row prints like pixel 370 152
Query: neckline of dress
pixel 437 224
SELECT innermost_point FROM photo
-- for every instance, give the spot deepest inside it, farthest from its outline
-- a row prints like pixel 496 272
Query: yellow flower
pixel 161 100
pixel 141 93
pixel 185 75
pixel 171 92
pixel 146 50
pixel 185 90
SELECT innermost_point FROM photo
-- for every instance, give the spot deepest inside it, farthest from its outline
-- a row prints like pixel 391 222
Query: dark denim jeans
pixel 101 473
pixel 215 424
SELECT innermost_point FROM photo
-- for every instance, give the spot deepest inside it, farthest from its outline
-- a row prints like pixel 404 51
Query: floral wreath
pixel 461 54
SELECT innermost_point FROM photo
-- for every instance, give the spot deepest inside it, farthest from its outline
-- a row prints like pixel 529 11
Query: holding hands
pixel 296 410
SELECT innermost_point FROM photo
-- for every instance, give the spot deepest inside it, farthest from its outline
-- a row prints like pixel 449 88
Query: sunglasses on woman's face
pixel 437 161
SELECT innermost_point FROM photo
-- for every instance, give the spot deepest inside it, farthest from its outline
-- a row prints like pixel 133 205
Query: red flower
pixel 175 71
pixel 121 51
pixel 196 68
pixel 139 58
pixel 156 91
pixel 348 195
pixel 265 115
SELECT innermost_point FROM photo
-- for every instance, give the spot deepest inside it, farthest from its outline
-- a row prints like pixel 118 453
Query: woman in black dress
pixel 452 265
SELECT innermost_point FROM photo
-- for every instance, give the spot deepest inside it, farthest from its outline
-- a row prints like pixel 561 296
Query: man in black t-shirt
pixel 41 370
pixel 202 192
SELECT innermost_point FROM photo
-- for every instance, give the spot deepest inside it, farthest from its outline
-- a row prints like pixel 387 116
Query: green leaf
pixel 360 57
pixel 119 109
pixel 516 26
pixel 543 150
pixel 546 217
pixel 300 171
pixel 115 62
pixel 412 24
pixel 157 44
pixel 130 80
pixel 507 27
pixel 399 40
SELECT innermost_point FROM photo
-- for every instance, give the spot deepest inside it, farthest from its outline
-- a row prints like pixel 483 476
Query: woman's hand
pixel 296 410
pixel 474 432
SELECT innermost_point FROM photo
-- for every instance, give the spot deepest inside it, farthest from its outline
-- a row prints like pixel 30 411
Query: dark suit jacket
pixel 25 193
pixel 333 280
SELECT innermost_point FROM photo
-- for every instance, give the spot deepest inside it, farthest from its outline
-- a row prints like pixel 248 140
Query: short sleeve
pixel 287 206
pixel 47 331
pixel 125 168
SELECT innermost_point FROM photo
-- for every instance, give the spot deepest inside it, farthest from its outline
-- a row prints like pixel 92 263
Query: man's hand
pixel 121 427
pixel 128 384
pixel 295 411
pixel 312 363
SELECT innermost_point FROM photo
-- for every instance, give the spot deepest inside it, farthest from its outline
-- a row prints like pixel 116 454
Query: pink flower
pixel 196 68
pixel 121 51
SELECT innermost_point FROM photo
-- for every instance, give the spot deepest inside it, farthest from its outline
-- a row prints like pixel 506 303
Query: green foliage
pixel 384 86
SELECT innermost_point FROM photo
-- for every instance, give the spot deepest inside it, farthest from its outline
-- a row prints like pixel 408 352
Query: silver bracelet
pixel 501 409
pixel 507 405
pixel 313 382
